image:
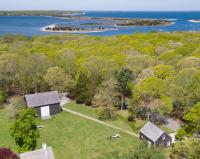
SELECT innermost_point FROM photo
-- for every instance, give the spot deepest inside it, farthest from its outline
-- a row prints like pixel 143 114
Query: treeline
pixel 154 72
pixel 55 13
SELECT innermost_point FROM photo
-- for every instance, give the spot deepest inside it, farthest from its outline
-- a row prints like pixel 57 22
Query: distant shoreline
pixel 58 13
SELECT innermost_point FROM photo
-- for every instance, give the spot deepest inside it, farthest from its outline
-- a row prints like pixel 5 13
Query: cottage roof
pixel 151 131
pixel 38 154
pixel 41 99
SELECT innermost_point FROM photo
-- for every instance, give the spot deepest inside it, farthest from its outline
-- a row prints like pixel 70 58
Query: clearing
pixel 73 137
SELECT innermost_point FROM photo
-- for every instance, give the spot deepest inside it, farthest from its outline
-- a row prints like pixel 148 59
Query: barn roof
pixel 38 154
pixel 41 99
pixel 151 131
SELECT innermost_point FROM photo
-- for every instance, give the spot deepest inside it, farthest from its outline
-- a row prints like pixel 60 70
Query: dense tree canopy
pixel 165 67
pixel 163 71
pixel 192 123
pixel 185 90
pixel 189 149
pixel 58 80
pixel 150 94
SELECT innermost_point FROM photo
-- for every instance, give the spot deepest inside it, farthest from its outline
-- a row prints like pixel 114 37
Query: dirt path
pixel 101 122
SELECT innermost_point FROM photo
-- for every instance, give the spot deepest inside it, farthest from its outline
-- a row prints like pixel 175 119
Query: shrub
pixel 24 130
pixel 6 153
pixel 2 98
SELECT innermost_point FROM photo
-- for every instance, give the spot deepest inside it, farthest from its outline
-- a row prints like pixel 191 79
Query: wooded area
pixel 146 73
pixel 154 72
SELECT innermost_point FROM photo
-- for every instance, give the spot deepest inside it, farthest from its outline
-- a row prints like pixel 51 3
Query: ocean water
pixel 31 25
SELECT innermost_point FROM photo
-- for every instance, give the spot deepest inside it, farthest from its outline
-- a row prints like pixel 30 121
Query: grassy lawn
pixel 5 139
pixel 73 137
pixel 81 108
pixel 86 110
pixel 135 126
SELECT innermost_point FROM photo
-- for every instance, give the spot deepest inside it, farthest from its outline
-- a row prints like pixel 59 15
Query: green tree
pixel 85 89
pixel 192 123
pixel 185 90
pixel 150 94
pixel 2 97
pixel 163 71
pixel 67 61
pixel 189 62
pixel 170 57
pixel 125 79
pixel 137 62
pixel 15 104
pixel 24 130
pixel 91 73
pixel 106 98
pixel 57 79
pixel 31 72
pixel 145 74
pixel 186 149
pixel 8 71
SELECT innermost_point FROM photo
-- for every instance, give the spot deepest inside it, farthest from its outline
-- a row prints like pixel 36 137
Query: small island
pixel 72 29
pixel 194 20
pixel 141 22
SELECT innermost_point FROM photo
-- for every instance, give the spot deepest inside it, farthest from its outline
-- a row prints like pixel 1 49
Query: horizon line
pixel 89 10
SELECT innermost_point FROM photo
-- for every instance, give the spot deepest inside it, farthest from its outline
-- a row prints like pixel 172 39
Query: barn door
pixel 168 143
pixel 45 111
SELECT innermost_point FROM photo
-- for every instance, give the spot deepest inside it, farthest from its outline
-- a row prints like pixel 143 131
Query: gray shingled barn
pixel 155 136
pixel 46 104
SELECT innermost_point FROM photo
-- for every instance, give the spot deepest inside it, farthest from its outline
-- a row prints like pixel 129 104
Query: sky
pixel 102 5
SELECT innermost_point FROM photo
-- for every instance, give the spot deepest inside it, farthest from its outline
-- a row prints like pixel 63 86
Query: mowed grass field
pixel 135 126
pixel 92 112
pixel 5 139
pixel 74 137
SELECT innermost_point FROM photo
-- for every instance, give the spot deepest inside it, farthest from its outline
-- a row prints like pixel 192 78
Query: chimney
pixel 44 146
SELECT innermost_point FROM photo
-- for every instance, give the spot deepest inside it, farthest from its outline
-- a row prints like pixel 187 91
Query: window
pixel 163 137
